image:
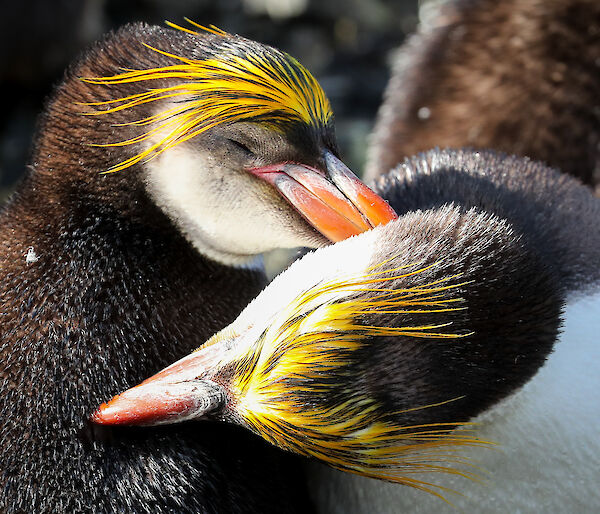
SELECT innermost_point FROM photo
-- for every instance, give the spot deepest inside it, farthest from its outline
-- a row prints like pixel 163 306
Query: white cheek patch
pixel 178 183
pixel 178 190
pixel 220 211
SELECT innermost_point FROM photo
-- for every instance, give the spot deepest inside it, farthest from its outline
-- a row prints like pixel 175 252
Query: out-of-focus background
pixel 346 44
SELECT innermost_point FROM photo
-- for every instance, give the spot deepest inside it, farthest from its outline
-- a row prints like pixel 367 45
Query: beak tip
pixel 101 416
pixel 160 402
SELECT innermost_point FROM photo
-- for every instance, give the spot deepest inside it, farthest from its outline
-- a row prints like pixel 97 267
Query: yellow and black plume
pixel 240 81
pixel 298 384
pixel 368 364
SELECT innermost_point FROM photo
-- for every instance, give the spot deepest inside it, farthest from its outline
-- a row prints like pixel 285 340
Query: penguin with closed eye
pixel 164 164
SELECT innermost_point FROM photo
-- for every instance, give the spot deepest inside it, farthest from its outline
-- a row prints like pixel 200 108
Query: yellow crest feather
pixel 310 343
pixel 265 86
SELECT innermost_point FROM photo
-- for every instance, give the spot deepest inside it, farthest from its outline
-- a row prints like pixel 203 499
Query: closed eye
pixel 241 146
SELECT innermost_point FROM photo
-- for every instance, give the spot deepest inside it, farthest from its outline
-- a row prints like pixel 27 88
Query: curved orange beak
pixel 184 390
pixel 335 202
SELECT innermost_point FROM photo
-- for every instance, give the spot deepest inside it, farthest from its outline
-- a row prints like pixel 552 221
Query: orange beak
pixel 335 202
pixel 184 390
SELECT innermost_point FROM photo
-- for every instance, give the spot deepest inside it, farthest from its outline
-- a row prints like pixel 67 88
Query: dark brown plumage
pixel 99 287
pixel 520 77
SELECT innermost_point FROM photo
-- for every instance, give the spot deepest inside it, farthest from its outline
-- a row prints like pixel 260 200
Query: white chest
pixel 548 454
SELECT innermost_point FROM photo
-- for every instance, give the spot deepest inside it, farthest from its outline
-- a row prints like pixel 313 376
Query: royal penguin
pixel 454 350
pixel 165 162
pixel 522 77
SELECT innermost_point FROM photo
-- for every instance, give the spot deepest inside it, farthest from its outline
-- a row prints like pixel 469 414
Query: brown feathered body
pixel 519 77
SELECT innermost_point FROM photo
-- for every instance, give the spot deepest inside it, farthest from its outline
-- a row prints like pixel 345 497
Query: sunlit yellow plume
pixel 296 384
pixel 264 85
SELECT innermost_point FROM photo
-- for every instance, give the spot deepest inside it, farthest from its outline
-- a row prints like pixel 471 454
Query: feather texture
pixel 269 87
